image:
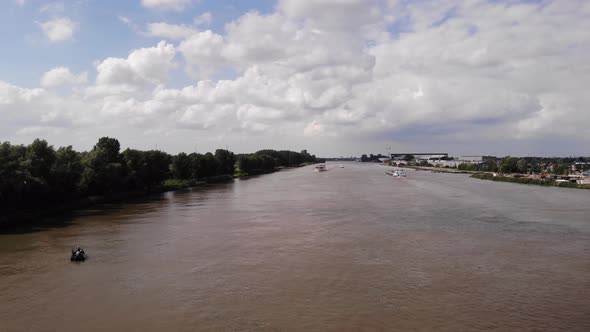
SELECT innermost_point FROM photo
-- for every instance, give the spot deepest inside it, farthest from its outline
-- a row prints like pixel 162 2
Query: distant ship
pixel 320 168
pixel 396 173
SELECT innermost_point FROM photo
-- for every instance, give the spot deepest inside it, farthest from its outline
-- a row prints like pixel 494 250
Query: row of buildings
pixel 566 169
pixel 440 159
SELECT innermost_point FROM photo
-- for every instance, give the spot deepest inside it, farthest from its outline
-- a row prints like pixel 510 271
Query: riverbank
pixel 490 176
pixel 440 170
pixel 178 184
pixel 523 180
pixel 38 217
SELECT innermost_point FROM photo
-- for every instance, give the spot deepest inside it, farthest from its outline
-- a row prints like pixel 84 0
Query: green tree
pixel 158 167
pixel 467 167
pixel 423 163
pixel 508 165
pixel 104 171
pixel 211 165
pixel 522 166
pixel 181 166
pixel 226 160
pixel 40 156
pixel 244 163
pixel 561 169
pixel 107 150
pixel 66 172
pixel 13 177
pixel 489 165
pixel 35 167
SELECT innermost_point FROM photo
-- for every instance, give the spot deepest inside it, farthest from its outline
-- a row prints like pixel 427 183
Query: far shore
pixel 512 178
pixel 440 170
pixel 526 180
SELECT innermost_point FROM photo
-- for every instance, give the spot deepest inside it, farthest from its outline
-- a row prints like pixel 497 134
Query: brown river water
pixel 350 249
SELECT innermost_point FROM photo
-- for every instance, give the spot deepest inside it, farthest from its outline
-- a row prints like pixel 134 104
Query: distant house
pixel 471 158
pixel 419 155
pixel 446 163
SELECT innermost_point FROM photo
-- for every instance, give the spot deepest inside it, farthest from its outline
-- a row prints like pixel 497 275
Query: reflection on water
pixel 347 249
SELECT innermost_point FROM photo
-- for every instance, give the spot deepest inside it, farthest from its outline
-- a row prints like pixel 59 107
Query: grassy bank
pixel 538 182
pixel 177 184
pixel 440 170
pixel 240 174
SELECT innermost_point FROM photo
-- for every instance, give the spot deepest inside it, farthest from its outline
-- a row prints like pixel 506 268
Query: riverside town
pixel 571 172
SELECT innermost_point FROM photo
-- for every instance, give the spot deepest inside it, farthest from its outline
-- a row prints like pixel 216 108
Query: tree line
pixel 528 165
pixel 39 175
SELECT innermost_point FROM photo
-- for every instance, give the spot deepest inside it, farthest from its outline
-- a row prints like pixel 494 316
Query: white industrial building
pixel 472 158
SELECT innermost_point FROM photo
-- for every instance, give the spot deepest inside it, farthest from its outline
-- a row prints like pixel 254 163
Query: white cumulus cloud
pixel 204 19
pixel 60 76
pixel 143 66
pixel 469 76
pixel 170 31
pixel 177 5
pixel 59 29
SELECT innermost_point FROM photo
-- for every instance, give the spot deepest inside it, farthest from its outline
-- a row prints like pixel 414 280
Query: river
pixel 349 249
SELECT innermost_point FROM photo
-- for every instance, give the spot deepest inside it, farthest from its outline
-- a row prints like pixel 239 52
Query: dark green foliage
pixel 37 177
pixel 39 159
pixel 508 165
pixel 13 174
pixel 181 166
pixel 158 167
pixel 373 158
pixel 227 161
pixel 145 169
pixel 66 172
pixel 522 166
pixel 176 184
pixel 107 149
pixel 489 165
pixel 468 167
pixel 210 165
pixel 104 171
pixel 425 163
pixel 267 160
pixel 136 165
pixel 256 163
pixel 560 169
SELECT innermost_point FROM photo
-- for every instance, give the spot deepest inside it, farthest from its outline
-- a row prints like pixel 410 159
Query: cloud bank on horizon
pixel 337 77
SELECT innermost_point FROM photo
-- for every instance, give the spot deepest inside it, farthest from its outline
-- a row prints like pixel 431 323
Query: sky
pixel 335 77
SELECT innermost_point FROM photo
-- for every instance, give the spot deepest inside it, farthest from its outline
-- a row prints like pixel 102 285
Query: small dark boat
pixel 78 255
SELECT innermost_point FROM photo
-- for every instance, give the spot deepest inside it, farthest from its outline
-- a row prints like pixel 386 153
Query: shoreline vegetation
pixel 517 178
pixel 525 180
pixel 441 170
pixel 38 182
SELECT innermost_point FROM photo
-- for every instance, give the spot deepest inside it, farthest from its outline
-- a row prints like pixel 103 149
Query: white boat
pixel 396 173
pixel 320 168
pixel 341 166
